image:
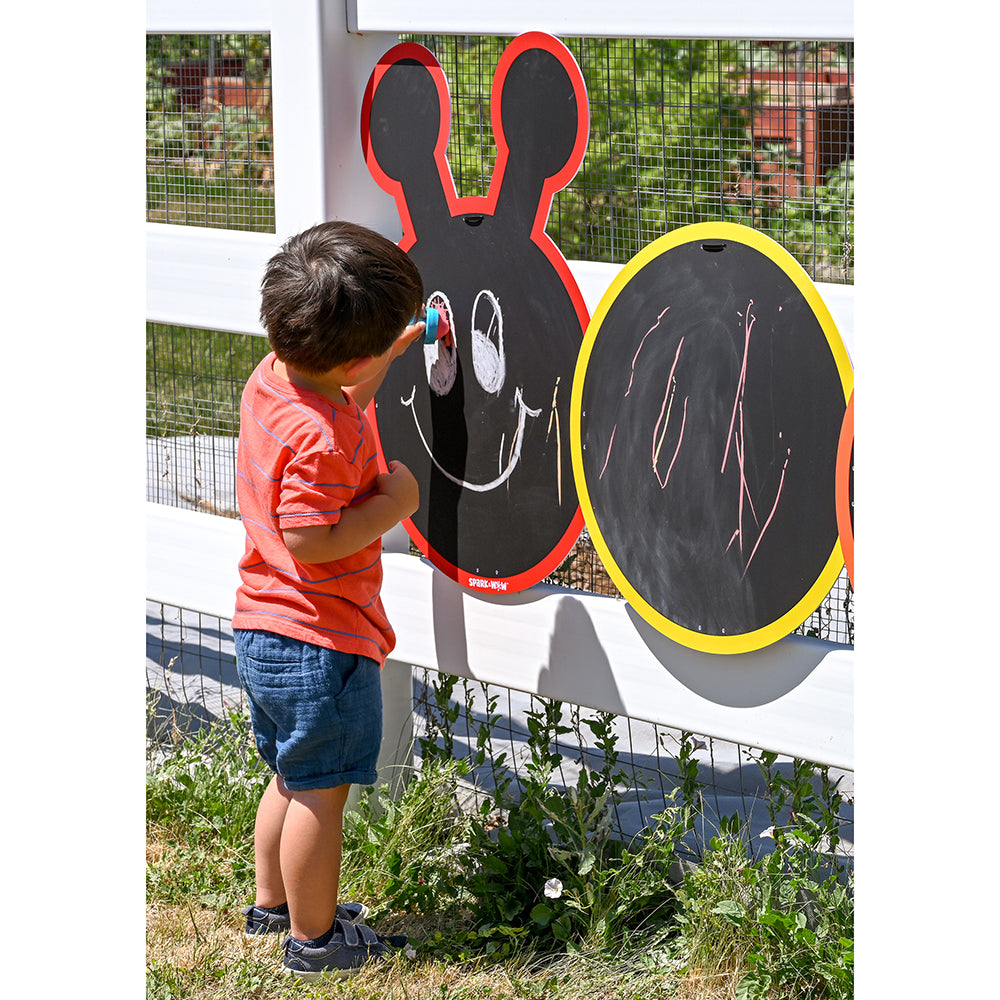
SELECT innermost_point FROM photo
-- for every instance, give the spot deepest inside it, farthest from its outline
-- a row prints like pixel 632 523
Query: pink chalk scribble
pixel 607 458
pixel 741 384
pixel 736 440
pixel 774 507
pixel 639 348
pixel 668 402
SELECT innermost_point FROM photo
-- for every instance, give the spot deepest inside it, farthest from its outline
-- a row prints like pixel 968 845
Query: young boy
pixel 311 634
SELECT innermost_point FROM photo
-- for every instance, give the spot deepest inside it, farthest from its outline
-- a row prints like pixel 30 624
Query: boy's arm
pixel 364 392
pixel 397 497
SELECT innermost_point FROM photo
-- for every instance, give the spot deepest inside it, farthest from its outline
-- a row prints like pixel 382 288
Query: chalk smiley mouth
pixel 523 411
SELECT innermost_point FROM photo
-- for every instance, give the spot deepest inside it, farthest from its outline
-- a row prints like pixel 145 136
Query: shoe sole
pixel 324 974
pixel 310 975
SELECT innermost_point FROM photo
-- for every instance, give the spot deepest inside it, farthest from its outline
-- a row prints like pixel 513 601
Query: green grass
pixel 736 929
pixel 181 195
pixel 194 378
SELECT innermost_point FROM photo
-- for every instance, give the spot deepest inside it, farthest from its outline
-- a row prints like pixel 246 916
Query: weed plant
pixel 202 791
pixel 401 853
pixel 528 893
pixel 543 870
pixel 769 929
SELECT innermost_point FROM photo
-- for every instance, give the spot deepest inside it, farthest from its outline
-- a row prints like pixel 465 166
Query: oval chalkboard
pixel 707 406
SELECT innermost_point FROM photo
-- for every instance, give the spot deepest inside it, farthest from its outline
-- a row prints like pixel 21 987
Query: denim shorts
pixel 316 712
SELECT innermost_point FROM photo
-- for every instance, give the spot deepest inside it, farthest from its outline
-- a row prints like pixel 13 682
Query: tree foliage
pixel 670 142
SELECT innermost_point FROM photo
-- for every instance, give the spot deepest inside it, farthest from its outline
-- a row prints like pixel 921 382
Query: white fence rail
pixel 794 697
pixel 211 278
pixel 764 19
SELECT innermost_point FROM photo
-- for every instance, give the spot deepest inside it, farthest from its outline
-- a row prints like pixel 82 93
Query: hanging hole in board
pixel 713 247
pixel 473 220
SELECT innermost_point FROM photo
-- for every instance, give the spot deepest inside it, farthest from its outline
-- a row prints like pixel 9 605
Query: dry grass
pixel 201 954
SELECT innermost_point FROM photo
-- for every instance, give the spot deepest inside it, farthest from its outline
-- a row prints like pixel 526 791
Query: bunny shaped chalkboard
pixel 481 415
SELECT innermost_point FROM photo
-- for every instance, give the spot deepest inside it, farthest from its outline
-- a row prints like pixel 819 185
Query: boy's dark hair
pixel 335 293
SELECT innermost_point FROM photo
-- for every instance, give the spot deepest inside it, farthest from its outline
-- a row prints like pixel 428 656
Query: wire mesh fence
pixel 462 716
pixel 191 682
pixel 194 379
pixel 191 676
pixel 681 132
pixel 209 158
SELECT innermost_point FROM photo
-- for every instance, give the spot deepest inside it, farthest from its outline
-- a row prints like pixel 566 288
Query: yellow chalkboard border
pixel 728 231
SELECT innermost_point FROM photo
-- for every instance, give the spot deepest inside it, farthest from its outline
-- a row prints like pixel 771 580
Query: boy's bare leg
pixel 310 851
pixel 267 843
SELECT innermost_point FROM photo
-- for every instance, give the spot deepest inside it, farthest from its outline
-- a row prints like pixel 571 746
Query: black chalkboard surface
pixel 707 408
pixel 481 417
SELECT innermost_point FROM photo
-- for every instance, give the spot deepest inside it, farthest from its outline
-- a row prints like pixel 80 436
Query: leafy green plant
pixel 543 868
pixel 773 928
pixel 441 713
pixel 804 809
pixel 202 791
pixel 402 853
pixel 209 781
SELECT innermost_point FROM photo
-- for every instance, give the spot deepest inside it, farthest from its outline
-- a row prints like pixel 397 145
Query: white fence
pixel 794 697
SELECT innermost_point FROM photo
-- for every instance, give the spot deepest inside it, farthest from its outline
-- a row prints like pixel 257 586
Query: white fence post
pixel 318 80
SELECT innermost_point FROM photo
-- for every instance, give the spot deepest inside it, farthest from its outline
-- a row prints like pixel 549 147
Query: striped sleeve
pixel 316 486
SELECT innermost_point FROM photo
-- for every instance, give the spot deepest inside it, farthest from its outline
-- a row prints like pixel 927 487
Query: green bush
pixel 544 872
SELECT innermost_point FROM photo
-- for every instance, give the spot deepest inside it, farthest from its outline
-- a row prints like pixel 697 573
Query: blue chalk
pixel 430 330
pixel 430 318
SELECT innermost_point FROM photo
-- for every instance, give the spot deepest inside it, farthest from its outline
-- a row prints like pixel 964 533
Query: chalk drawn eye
pixel 487 342
pixel 440 358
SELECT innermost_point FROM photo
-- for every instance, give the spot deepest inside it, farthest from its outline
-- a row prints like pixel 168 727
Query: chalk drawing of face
pixel 488 364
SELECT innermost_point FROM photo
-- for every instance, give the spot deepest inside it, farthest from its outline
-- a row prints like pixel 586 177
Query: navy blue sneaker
pixel 264 921
pixel 350 947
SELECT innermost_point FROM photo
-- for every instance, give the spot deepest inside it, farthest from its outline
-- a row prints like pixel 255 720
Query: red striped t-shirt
pixel 302 459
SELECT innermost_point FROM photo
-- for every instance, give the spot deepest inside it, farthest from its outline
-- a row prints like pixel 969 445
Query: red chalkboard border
pixel 486 206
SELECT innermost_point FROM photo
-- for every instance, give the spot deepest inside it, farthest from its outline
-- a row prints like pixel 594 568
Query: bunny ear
pixel 541 120
pixel 405 120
